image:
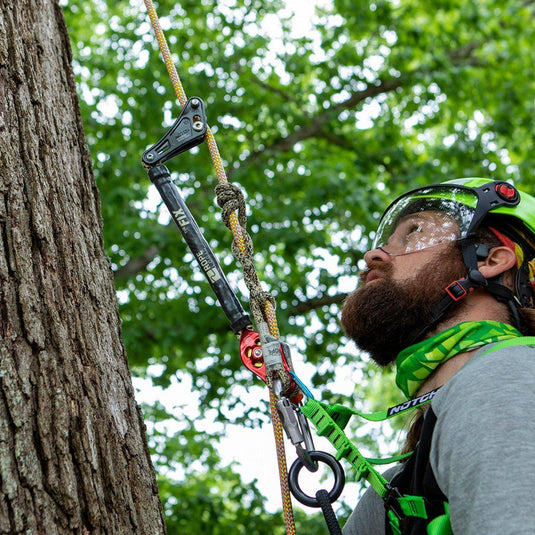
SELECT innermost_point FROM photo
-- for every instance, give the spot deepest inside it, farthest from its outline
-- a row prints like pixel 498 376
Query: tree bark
pixel 73 453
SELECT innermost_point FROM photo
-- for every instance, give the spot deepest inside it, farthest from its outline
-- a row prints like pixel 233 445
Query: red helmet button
pixel 506 191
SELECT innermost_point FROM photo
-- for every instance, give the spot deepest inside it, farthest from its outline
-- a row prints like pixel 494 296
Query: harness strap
pixel 520 341
pixel 343 414
pixel 441 525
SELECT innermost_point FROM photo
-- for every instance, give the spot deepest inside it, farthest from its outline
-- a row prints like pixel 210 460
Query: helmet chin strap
pixel 472 252
pixel 457 290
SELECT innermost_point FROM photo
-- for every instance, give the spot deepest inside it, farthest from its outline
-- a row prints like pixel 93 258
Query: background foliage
pixel 322 127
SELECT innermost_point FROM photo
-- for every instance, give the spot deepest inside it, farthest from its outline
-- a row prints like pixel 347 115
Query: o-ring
pixel 334 465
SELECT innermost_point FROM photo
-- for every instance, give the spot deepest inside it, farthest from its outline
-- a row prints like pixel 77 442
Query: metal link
pixel 298 431
pixel 334 465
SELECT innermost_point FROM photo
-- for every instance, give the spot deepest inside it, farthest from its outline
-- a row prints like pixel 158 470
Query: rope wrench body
pixel 188 131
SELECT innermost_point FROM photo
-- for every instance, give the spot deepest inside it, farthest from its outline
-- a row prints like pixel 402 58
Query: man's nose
pixel 377 254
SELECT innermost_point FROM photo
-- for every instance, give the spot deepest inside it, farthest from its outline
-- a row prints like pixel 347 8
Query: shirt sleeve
pixel 483 446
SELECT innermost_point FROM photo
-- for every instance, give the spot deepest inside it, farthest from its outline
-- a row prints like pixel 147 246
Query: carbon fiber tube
pixel 161 178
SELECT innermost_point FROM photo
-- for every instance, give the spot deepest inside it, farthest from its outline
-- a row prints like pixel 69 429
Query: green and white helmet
pixel 459 208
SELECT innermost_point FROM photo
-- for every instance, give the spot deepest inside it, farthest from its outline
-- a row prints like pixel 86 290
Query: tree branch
pixel 319 121
pixel 138 264
pixel 288 97
pixel 317 302
pixel 460 55
pixel 463 55
pixel 350 146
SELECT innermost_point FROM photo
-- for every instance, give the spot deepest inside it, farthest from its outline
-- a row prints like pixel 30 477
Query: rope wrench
pixel 188 131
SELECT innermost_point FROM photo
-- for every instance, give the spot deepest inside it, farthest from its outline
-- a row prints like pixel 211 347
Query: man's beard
pixel 386 316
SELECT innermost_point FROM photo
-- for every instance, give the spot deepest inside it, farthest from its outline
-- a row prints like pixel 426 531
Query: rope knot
pixel 230 199
pixel 257 300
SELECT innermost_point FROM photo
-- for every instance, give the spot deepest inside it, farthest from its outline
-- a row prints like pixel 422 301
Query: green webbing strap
pixel 329 422
pixel 441 525
pixel 327 427
pixel 342 414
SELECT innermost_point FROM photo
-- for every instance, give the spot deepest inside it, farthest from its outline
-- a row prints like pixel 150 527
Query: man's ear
pixel 499 260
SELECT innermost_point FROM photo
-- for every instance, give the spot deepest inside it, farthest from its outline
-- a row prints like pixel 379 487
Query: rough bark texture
pixel 73 454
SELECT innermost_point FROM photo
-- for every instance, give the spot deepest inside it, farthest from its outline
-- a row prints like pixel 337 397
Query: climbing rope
pixel 230 199
pixel 326 508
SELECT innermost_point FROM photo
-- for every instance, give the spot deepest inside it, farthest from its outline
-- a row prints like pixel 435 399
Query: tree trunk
pixel 73 453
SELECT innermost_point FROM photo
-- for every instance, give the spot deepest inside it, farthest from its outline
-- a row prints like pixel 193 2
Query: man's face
pixel 402 283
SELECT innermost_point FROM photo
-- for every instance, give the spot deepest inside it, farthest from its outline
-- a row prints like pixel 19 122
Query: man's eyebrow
pixel 417 215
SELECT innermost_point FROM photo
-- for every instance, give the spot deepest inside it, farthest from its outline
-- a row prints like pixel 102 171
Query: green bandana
pixel 416 363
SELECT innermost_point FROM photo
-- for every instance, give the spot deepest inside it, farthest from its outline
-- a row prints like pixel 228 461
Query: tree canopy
pixel 322 127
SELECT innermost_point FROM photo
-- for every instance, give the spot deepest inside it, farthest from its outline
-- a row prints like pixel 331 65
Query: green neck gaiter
pixel 417 362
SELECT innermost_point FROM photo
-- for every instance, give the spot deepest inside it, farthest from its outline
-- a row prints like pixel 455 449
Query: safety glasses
pixel 425 218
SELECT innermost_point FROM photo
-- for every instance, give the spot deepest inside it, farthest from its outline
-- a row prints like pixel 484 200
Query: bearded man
pixel 448 296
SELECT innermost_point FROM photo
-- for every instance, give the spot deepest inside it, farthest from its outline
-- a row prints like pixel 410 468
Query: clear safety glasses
pixel 425 218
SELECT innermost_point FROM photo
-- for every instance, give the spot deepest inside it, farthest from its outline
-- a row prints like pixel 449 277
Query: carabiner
pixel 298 431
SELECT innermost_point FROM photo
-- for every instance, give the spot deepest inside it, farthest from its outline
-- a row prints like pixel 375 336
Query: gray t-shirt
pixel 482 451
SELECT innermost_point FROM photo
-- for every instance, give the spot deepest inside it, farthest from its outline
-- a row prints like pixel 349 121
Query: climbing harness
pixel 330 422
pixel 417 476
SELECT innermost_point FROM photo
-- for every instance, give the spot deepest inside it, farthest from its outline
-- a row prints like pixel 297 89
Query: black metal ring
pixel 334 465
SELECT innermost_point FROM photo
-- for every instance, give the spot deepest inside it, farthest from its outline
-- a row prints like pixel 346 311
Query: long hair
pixel 528 317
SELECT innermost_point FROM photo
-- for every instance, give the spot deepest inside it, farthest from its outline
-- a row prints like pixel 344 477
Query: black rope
pixel 327 509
